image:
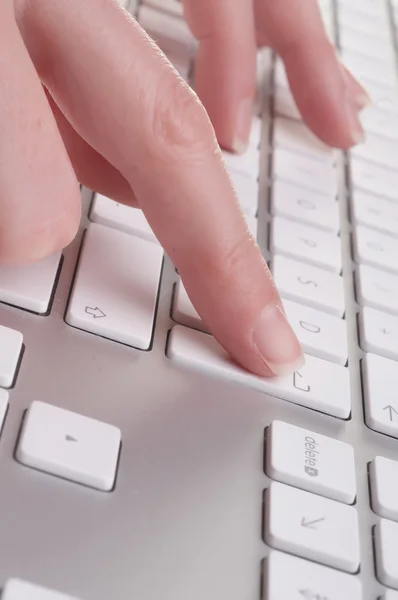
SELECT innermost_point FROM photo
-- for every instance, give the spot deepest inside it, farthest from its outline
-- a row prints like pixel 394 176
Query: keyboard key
pixel 380 122
pixel 296 137
pixel 305 206
pixel 375 179
pixel 288 577
pixel 384 491
pixel 285 104
pixel 247 192
pixel 311 461
pixel 365 44
pixel 320 334
pixel 309 285
pixel 390 595
pixel 256 132
pixel 300 242
pixel 376 249
pixel 10 351
pixel 377 289
pixel 247 163
pixel 174 7
pixel 29 286
pixel 184 311
pixel 379 332
pixel 3 407
pixel 355 19
pixel 121 217
pixel 379 71
pixel 116 286
pixel 306 387
pixel 380 380
pixel 310 173
pixel 312 527
pixel 378 150
pixel 386 542
pixel 15 589
pixel 69 445
pixel 375 212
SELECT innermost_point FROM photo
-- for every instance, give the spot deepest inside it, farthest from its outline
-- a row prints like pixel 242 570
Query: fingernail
pixel 276 342
pixel 363 101
pixel 356 129
pixel 243 126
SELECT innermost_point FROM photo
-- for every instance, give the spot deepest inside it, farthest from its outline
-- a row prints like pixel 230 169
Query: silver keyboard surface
pixel 138 461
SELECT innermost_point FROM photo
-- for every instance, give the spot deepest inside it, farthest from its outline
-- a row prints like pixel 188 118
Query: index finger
pixel 123 98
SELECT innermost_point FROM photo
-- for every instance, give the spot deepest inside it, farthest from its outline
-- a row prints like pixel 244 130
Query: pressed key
pixel 376 249
pixel 10 351
pixel 16 589
pixel 296 137
pixel 3 407
pixel 384 491
pixel 247 192
pixel 312 527
pixel 375 212
pixel 300 242
pixel 247 163
pixel 287 577
pixel 378 289
pixel 184 311
pixel 29 286
pixel 63 443
pixel 320 334
pixel 308 172
pixel 116 286
pixel 386 543
pixel 309 285
pixel 375 179
pixel 285 104
pixel 380 382
pixel 311 461
pixel 378 150
pixel 379 332
pixel 306 387
pixel 305 206
pixel 124 218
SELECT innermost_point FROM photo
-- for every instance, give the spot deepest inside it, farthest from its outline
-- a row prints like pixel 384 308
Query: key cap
pixel 247 192
pixel 307 172
pixel 374 179
pixel 365 44
pixel 371 8
pixel 305 206
pixel 377 289
pixel 174 7
pixel 285 104
pixel 256 132
pixel 288 577
pixel 390 595
pixel 354 19
pixel 379 71
pixel 312 527
pixel 376 249
pixel 384 492
pixel 311 461
pixel 386 542
pixel 306 387
pixel 116 303
pixel 63 443
pixel 296 137
pixel 309 285
pixel 375 212
pixel 380 381
pixel 320 334
pixel 379 332
pixel 15 589
pixel 10 351
pixel 3 407
pixel 29 286
pixel 380 123
pixel 247 163
pixel 124 218
pixel 306 244
pixel 378 150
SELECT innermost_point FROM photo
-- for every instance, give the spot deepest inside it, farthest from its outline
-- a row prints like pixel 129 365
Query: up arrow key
pixel 391 411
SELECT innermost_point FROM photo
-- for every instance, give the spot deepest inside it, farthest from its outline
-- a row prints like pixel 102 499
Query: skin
pixel 86 96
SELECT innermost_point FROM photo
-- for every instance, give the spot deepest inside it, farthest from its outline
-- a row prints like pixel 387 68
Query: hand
pixel 113 115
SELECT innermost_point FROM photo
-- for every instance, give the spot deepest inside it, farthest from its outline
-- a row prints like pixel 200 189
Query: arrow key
pixel 312 527
pixel 380 380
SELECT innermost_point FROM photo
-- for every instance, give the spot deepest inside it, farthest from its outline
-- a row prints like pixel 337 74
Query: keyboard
pixel 136 459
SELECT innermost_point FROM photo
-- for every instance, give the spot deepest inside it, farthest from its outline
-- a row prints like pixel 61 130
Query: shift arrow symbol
pixel 310 524
pixel 96 312
pixel 391 410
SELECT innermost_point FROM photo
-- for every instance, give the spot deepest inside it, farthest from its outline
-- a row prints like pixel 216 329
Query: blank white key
pixel 320 334
pixel 29 286
pixel 312 527
pixel 285 104
pixel 379 71
pixel 296 137
pixel 384 491
pixel 376 249
pixel 301 242
pixel 383 97
pixel 309 285
pixel 10 351
pixel 305 171
pixel 390 595
pixel 256 132
pixel 305 206
pixel 365 44
pixel 386 541
pixel 311 461
pixel 16 589
pixel 380 381
pixel 379 332
pixel 247 191
pixel 287 577
pixel 307 386
pixel 3 406
pixel 375 212
pixel 124 218
pixel 375 179
pixel 355 19
pixel 247 163
pixel 380 123
pixel 115 290
pixel 378 150
pixel 69 445
pixel 378 289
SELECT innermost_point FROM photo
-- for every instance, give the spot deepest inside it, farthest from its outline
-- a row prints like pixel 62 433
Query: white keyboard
pixel 98 345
